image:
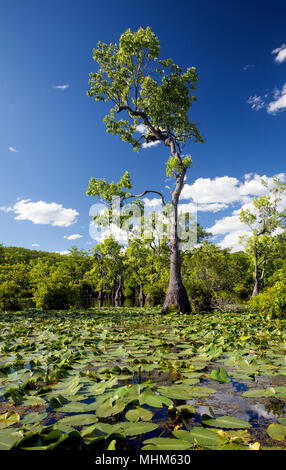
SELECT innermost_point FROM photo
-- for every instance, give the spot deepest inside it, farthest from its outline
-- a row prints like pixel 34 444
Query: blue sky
pixel 52 137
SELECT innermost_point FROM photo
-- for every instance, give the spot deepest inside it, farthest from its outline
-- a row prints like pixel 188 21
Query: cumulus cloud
pixel 154 202
pixel 219 192
pixel 147 145
pixel 35 245
pixel 75 236
pixel 279 102
pixel 41 212
pixel 280 54
pixel 12 149
pixel 230 227
pixel 141 128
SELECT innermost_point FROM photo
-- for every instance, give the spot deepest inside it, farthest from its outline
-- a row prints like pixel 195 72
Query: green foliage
pixel 174 166
pixel 54 288
pixel 14 285
pixel 215 278
pixel 272 301
pixel 154 92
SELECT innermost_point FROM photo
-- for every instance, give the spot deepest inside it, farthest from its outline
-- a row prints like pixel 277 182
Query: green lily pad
pixel 79 420
pixel 138 413
pixel 185 392
pixel 33 418
pixel 220 375
pixel 8 419
pixel 165 443
pixel 225 422
pixel 277 431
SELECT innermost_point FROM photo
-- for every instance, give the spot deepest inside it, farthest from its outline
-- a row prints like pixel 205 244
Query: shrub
pixel 271 302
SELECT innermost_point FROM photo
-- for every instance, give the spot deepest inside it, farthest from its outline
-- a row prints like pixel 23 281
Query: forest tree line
pixel 215 278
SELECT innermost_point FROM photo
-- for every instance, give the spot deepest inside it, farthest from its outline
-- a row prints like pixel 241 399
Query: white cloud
pixel 75 236
pixel 61 87
pixel 206 190
pixel 141 128
pixel 155 202
pixel 256 102
pixel 279 103
pixel 41 212
pixel 64 253
pixel 35 245
pixel 280 54
pixel 12 149
pixel 217 193
pixel 232 240
pixel 239 192
pixel 146 145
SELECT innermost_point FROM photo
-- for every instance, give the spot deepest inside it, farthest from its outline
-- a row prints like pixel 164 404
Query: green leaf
pixel 276 431
pixel 33 418
pixel 204 437
pixel 156 401
pixel 165 443
pixel 8 437
pixel 112 445
pixel 220 375
pixel 225 422
pixel 79 420
pixel 138 413
pixel 8 419
pixel 185 392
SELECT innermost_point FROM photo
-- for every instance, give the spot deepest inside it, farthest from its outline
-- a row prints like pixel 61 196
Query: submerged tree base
pixel 176 300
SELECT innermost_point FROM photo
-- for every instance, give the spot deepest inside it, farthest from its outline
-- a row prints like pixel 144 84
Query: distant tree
pixel 53 286
pixel 14 286
pixel 158 95
pixel 264 218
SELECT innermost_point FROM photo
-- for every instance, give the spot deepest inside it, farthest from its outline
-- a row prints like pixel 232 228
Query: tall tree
pixel 266 216
pixel 156 94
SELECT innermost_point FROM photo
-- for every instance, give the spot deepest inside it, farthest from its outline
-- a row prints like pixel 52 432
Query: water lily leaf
pixel 165 443
pixel 9 437
pixel 33 418
pixel 204 437
pixel 126 428
pixel 225 422
pixel 156 401
pixel 8 419
pixel 79 420
pixel 276 431
pixel 138 413
pixel 184 392
pixel 266 392
pixel 220 375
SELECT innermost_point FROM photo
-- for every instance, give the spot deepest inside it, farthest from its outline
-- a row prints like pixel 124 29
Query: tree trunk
pixel 119 294
pixel 141 297
pixel 176 294
pixel 255 291
pixel 100 298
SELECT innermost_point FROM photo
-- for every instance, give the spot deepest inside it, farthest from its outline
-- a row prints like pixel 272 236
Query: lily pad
pixel 165 443
pixel 225 422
